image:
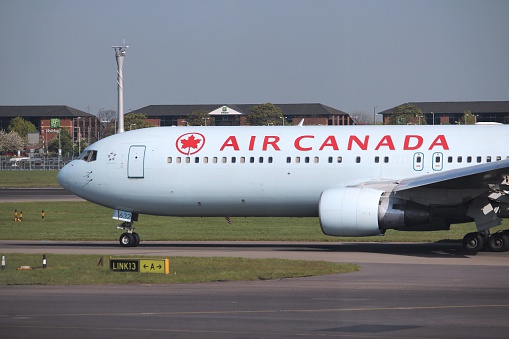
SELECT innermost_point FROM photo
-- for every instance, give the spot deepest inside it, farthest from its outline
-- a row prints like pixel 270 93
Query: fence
pixel 36 163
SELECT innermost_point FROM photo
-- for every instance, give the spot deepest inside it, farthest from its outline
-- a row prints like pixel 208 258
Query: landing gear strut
pixel 497 242
pixel 128 238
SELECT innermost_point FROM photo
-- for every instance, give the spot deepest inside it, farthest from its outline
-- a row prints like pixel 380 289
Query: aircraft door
pixel 438 161
pixel 418 161
pixel 135 162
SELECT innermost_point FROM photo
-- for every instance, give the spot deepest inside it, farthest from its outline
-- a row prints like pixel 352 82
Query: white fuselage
pixel 265 171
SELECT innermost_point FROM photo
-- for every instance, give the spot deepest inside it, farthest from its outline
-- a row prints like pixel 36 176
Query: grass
pixel 82 221
pixel 84 270
pixel 28 179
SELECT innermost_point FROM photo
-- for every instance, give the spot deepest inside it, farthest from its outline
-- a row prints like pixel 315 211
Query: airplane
pixel 358 180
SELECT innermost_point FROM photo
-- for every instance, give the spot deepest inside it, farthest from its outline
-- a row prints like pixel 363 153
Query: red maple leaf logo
pixel 190 143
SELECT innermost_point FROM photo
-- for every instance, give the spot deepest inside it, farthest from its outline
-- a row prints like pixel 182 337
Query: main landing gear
pixel 129 238
pixel 476 242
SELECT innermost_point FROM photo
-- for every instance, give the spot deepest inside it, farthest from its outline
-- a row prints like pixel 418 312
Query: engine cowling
pixel 364 211
pixel 350 211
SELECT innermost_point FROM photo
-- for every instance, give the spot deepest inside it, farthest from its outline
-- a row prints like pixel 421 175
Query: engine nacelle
pixel 350 211
pixel 357 212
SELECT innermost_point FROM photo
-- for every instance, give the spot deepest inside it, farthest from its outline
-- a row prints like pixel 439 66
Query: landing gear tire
pixel 136 239
pixel 127 240
pixel 499 242
pixel 473 242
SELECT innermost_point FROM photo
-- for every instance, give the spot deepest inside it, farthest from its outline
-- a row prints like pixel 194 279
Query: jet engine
pixel 350 212
pixel 355 212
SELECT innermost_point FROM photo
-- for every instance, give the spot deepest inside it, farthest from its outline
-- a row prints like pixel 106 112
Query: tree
pixel 65 142
pixel 21 126
pixel 135 121
pixel 468 118
pixel 266 114
pixel 407 114
pixel 107 122
pixel 200 118
pixel 10 142
pixel 362 118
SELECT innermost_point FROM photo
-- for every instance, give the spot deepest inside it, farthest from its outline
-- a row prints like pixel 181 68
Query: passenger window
pixel 196 160
pixel 340 160
pixel 306 160
pixel 260 160
pixel 242 160
pixel 214 160
pixel 251 160
pixel 205 160
pixel 330 160
pixel 297 160
pixel 317 159
pixel 460 160
pixel 418 160
pixel 223 160
pixel 469 159
pixel 179 160
pixel 488 159
pixel 234 160
pixel 377 160
pixel 449 159
pixel 479 159
pixel 386 160
pixel 499 158
pixel 169 160
pixel 270 160
pixel 358 160
pixel 288 160
pixel 188 160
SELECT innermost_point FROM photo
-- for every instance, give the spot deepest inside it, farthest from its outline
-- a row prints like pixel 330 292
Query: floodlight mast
pixel 119 55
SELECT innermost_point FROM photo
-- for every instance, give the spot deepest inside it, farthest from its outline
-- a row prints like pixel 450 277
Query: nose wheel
pixel 128 238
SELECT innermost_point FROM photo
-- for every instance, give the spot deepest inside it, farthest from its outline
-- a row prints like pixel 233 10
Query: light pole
pixel 119 55
pixel 205 121
pixel 374 115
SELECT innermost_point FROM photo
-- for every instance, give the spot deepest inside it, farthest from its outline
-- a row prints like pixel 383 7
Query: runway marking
pixel 365 309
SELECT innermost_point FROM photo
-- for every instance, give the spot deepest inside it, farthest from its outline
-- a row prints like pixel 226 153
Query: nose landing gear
pixel 128 238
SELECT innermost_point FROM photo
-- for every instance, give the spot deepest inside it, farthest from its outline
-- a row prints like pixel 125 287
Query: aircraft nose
pixel 63 176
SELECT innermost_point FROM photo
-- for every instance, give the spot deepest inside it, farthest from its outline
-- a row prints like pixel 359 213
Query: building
pixel 234 115
pixel 49 119
pixel 451 112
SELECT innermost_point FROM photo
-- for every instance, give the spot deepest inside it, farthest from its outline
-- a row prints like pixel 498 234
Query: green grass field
pixel 84 270
pixel 87 221
pixel 19 179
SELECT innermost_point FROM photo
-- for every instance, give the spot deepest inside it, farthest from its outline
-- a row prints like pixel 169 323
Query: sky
pixel 355 56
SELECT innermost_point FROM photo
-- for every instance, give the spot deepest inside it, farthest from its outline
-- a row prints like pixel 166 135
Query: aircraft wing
pixel 483 189
pixel 473 177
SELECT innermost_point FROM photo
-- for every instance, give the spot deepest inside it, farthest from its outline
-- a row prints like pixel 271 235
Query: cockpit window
pixel 88 156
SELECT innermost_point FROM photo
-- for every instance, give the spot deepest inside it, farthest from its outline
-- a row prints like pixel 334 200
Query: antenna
pixel 119 55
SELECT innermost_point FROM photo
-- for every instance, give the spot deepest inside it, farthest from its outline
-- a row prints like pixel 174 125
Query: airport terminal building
pixel 235 114
pixel 49 119
pixel 451 112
